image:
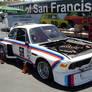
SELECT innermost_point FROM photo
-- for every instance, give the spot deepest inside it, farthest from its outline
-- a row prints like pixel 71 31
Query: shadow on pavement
pixel 33 72
pixel 15 62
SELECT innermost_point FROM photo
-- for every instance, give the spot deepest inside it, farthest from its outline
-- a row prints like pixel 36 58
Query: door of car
pixel 20 46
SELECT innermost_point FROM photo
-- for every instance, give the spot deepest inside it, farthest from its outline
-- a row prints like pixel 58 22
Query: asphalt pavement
pixel 13 80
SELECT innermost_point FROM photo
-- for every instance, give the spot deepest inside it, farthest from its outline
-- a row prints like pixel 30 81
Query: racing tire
pixel 44 70
pixel 2 55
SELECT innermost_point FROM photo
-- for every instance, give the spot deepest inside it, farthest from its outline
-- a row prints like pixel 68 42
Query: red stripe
pixel 47 53
pixel 16 44
pixel 25 58
pixel 54 63
pixel 72 80
pixel 35 49
pixel 38 51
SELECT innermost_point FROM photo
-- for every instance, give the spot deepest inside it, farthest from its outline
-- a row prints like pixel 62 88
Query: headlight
pixel 79 63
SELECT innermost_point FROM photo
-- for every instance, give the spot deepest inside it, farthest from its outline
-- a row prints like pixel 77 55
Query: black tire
pixel 63 25
pixel 44 22
pixel 2 54
pixel 44 70
pixel 71 23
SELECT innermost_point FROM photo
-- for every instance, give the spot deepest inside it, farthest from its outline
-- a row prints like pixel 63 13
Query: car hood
pixel 71 47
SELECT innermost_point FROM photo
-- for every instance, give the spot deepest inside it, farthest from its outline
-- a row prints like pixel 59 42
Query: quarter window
pixel 20 34
pixel 12 34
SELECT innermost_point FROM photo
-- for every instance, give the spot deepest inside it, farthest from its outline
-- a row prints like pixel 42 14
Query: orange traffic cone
pixel 25 68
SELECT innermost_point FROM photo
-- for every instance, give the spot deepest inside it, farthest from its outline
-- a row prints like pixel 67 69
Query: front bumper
pixel 84 76
pixel 74 79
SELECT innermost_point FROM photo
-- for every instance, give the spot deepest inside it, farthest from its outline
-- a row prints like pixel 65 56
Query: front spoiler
pixel 76 79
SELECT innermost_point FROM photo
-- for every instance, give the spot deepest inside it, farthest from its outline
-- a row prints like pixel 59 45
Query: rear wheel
pixel 44 70
pixel 44 22
pixel 71 23
pixel 63 25
pixel 2 54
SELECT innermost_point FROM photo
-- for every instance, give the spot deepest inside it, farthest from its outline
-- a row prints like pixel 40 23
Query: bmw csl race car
pixel 67 60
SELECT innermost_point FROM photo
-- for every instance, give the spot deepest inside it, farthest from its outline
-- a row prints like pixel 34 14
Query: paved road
pixel 13 80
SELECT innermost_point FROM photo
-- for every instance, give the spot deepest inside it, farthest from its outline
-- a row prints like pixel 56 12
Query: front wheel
pixel 44 70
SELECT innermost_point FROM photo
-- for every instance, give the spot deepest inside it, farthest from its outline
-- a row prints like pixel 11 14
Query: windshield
pixel 45 34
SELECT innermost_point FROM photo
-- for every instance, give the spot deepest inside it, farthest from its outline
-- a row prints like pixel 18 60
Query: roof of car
pixel 29 26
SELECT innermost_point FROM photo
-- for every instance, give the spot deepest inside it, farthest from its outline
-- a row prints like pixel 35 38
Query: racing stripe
pixel 48 53
pixel 66 80
pixel 59 57
pixel 69 80
pixel 55 64
pixel 35 48
pixel 24 59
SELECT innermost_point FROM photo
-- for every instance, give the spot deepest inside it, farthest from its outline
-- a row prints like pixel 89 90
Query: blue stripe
pixel 36 48
pixel 56 64
pixel 66 80
pixel 1 39
pixel 15 42
pixel 41 49
pixel 12 41
pixel 47 51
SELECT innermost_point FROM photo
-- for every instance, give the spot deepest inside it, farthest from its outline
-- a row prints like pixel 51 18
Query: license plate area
pixel 86 74
pixel 83 77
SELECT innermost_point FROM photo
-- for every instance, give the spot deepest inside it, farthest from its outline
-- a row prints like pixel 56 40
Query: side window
pixel 48 16
pixel 12 34
pixel 54 16
pixel 20 34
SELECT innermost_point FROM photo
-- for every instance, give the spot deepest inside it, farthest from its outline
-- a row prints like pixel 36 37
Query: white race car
pixel 67 60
